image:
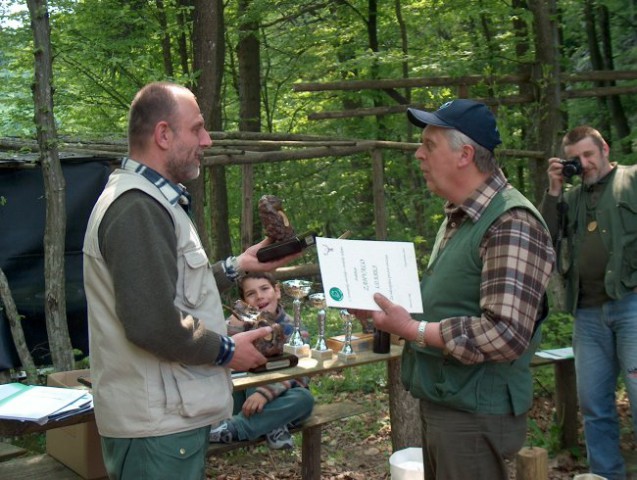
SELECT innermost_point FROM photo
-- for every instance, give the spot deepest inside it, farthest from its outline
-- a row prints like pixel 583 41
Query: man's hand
pixel 393 318
pixel 362 315
pixel 246 356
pixel 248 261
pixel 253 404
pixel 556 179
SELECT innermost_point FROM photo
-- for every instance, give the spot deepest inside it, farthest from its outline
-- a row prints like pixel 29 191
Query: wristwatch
pixel 232 268
pixel 420 337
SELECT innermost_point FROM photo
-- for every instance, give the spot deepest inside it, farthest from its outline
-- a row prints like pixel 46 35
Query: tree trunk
pixel 596 63
pixel 414 182
pixel 365 196
pixel 182 18
pixel 17 332
pixel 617 114
pixel 549 115
pixel 525 68
pixel 249 59
pixel 54 192
pixel 209 54
pixel 165 39
pixel 404 411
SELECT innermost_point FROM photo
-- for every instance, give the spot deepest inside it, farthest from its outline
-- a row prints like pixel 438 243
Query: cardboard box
pixel 361 342
pixel 78 446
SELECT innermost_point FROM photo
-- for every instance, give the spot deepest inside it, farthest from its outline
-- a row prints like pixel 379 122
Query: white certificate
pixel 353 270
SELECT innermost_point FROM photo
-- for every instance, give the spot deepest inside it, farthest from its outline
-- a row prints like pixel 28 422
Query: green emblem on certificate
pixel 336 294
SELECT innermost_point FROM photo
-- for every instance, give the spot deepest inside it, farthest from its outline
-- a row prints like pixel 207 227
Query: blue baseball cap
pixel 472 118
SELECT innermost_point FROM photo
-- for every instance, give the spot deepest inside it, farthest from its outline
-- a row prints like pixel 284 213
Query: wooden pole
pixel 532 463
pixel 378 182
pixel 566 403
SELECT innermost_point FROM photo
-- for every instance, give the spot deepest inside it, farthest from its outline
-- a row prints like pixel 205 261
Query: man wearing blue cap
pixel 467 357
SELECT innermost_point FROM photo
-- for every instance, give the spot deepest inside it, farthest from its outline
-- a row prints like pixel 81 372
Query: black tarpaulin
pixel 22 222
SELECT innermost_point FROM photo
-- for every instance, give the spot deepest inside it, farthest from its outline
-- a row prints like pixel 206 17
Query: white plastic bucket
pixel 407 464
pixel 588 476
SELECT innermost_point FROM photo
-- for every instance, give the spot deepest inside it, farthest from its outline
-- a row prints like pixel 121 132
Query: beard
pixel 184 167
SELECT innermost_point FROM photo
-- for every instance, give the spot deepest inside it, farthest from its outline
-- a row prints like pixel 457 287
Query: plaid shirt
pixel 174 193
pixel 518 258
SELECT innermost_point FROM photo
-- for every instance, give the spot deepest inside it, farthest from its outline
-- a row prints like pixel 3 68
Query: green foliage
pixel 33 442
pixel 548 437
pixel 365 378
pixel 557 331
pixel 104 51
pixel 540 437
pixel 97 71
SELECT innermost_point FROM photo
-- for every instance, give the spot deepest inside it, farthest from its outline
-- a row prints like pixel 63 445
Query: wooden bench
pixel 566 406
pixel 311 434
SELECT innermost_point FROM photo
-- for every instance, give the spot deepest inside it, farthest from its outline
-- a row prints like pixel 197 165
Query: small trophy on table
pixel 347 352
pixel 297 289
pixel 320 350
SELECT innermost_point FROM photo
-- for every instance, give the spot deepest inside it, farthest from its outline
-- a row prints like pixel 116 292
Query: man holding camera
pixel 594 227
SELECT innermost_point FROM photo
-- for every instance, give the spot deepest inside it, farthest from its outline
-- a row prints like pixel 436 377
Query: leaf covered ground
pixel 359 448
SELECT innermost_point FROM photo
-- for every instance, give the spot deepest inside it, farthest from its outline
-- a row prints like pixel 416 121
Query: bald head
pixel 155 102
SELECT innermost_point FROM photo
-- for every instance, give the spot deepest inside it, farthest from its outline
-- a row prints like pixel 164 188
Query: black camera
pixel 571 167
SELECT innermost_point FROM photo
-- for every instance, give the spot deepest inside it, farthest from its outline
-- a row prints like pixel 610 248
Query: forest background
pixel 256 66
pixel 245 58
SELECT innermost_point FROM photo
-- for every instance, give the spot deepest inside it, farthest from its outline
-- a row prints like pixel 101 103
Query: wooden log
pixel 308 153
pixel 440 81
pixel 311 454
pixel 597 75
pixel 599 92
pixel 297 271
pixel 387 110
pixel 566 403
pixel 8 451
pixel 532 463
pixel 446 81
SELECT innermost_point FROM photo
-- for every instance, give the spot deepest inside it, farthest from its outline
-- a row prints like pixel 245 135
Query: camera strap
pixel 562 222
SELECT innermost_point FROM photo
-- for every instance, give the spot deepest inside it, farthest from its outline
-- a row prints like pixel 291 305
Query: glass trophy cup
pixel 320 350
pixel 347 352
pixel 297 289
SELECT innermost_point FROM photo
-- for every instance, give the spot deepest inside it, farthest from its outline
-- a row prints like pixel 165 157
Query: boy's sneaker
pixel 225 432
pixel 280 438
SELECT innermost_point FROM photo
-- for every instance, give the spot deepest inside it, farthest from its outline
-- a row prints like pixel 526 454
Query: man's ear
pixel 466 156
pixel 162 135
pixel 606 149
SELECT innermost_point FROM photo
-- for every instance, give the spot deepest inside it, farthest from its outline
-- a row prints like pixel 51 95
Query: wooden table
pixel 565 393
pixel 310 367
pixel 48 467
pixel 305 367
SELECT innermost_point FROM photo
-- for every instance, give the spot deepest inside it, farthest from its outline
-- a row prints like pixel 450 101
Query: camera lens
pixel 571 167
pixel 569 170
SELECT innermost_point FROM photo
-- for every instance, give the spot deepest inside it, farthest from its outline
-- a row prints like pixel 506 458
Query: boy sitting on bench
pixel 269 409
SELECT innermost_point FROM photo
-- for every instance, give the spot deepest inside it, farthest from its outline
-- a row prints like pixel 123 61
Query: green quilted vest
pixel 488 388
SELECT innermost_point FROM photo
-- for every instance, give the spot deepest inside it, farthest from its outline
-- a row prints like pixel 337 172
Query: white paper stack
pixel 40 404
